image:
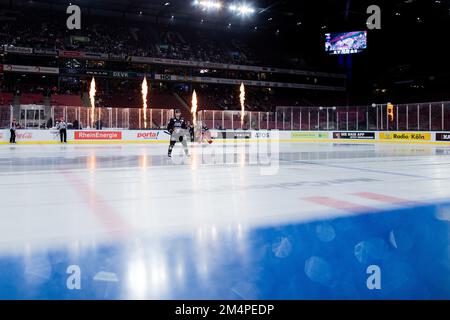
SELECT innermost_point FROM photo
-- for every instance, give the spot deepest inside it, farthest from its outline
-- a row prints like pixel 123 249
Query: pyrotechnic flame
pixel 194 108
pixel 242 99
pixel 92 92
pixel 144 100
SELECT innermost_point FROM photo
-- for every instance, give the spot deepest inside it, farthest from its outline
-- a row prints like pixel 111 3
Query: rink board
pixel 159 136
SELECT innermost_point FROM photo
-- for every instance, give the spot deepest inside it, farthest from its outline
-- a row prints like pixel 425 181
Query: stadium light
pixel 208 4
pixel 242 9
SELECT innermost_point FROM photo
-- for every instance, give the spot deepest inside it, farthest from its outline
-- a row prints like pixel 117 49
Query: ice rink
pixel 126 222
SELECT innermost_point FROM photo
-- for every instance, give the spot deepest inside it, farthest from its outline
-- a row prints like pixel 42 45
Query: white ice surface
pixel 51 195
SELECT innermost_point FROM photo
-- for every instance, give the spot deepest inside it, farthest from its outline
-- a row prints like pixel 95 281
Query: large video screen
pixel 346 42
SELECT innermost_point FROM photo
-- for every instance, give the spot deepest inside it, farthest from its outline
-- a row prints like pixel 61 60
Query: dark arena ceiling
pixel 283 15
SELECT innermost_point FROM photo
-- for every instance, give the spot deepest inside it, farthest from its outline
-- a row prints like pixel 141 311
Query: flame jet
pixel 92 92
pixel 144 100
pixel 242 100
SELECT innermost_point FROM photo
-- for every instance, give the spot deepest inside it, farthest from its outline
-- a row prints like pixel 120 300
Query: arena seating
pixel 66 100
pixel 105 35
pixel 6 98
pixel 162 100
pixel 132 99
pixel 227 98
pixel 31 98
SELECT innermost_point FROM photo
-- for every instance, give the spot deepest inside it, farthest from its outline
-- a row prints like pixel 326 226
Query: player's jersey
pixel 177 128
pixel 175 123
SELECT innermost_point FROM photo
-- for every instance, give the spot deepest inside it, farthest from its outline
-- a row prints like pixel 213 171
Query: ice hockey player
pixel 178 131
pixel 205 133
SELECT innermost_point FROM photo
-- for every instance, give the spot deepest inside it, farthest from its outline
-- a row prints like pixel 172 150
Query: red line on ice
pixel 385 198
pixel 104 212
pixel 339 204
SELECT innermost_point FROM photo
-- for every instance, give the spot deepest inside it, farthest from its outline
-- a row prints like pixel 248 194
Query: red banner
pixel 98 135
pixel 70 54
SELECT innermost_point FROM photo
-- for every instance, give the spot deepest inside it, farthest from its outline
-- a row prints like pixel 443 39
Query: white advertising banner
pixel 160 136
pixel 86 136
pixel 19 50
pixel 31 136
pixel 167 77
pixel 200 64
pixel 29 69
pixel 45 52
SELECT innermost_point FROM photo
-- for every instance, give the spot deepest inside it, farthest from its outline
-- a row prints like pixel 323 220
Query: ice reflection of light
pixel 74 250
pixel 199 235
pixel 91 162
pixel 239 232
pixel 143 162
pixel 242 158
pixel 202 268
pixel 194 160
pixel 179 270
pixel 27 249
pixel 242 246
pixel 214 233
pixel 158 275
pixel 37 267
pixel 201 253
pixel 148 272
pixel 137 279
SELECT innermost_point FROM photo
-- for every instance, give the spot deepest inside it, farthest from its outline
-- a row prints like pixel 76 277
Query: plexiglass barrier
pixel 433 116
pixel 43 117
